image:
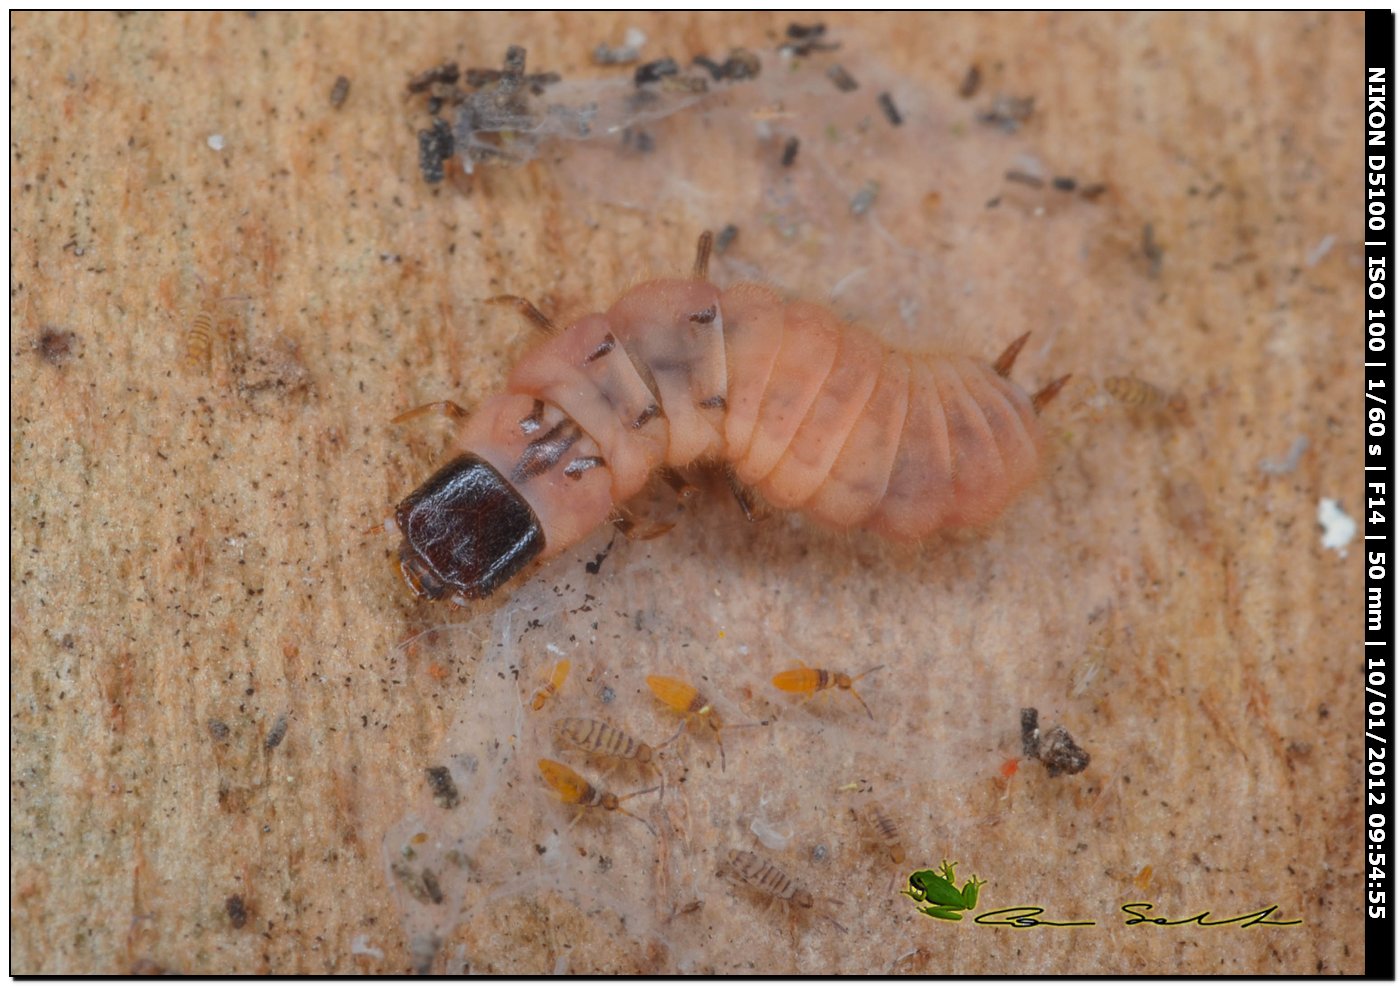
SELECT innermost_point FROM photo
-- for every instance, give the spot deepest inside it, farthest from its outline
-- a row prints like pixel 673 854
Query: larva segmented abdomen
pixel 817 415
pixel 827 420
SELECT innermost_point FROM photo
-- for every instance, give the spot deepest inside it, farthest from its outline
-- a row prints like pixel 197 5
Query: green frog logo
pixel 938 892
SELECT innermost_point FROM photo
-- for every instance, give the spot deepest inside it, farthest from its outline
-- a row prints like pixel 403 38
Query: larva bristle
pixel 702 255
pixel 527 310
pixel 1047 393
pixel 807 412
pixel 1008 357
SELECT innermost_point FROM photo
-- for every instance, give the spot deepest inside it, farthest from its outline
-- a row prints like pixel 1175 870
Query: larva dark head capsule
pixel 466 530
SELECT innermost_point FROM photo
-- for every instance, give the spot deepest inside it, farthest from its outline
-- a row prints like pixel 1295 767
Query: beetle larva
pixel 814 414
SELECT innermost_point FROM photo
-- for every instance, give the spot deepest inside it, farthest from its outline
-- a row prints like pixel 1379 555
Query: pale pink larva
pixel 814 414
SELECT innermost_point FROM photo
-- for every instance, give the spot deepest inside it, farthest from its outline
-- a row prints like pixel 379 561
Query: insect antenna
pixel 853 691
pixel 743 496
pixel 651 828
pixel 719 738
pixel 702 255
pixel 1008 356
pixel 1047 393
pixel 839 926
pixel 674 736
pixel 524 307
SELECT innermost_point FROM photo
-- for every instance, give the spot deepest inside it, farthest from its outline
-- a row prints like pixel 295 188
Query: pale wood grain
pixel 186 546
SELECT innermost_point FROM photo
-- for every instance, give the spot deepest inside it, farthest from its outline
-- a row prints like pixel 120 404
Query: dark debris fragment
pixel 1060 754
pixel 971 82
pixel 435 146
pixel 1009 112
pixel 890 110
pixel 277 734
pixel 56 346
pixel 1152 250
pixel 443 787
pixel 1056 750
pixel 339 92
pixel 803 39
pixel 790 151
pixel 447 72
pixel 725 239
pixel 715 69
pixel 842 79
pixel 741 64
pixel 1030 734
pixel 421 884
pixel 655 71
pixel 237 911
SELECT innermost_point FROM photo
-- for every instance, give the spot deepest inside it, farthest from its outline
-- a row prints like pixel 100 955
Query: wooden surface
pixel 188 567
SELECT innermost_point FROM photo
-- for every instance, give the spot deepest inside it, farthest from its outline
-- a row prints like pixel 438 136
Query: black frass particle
pixel 435 146
pixel 890 110
pixel 655 71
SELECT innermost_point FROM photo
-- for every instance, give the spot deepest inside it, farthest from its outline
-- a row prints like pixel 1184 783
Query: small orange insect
pixel 686 699
pixel 557 676
pixel 573 789
pixel 808 681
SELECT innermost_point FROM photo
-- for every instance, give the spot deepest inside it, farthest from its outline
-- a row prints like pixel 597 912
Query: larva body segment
pixel 814 414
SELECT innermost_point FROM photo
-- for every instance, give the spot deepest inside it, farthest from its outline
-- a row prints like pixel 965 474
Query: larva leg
pixel 1008 357
pixel 524 307
pixel 743 496
pixel 702 255
pixel 672 477
pixel 452 409
pixel 1047 393
pixel 628 527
